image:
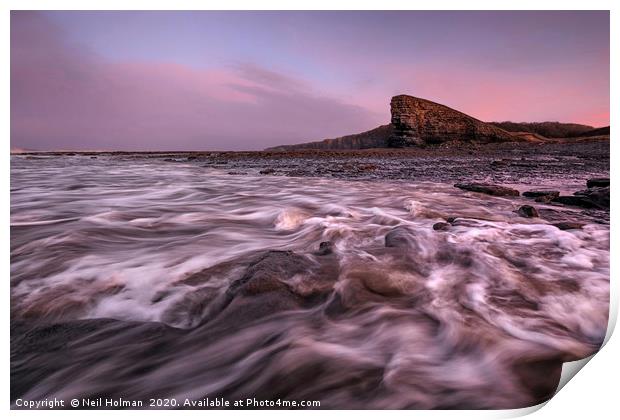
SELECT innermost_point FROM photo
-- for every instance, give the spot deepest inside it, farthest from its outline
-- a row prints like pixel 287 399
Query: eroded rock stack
pixel 418 122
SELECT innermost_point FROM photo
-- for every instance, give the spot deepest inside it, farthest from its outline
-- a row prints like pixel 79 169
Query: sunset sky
pixel 248 80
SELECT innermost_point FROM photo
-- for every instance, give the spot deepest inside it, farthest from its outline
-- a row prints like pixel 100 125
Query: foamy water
pixel 434 319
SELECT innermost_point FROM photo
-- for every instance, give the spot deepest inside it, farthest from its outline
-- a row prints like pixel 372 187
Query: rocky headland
pixel 417 122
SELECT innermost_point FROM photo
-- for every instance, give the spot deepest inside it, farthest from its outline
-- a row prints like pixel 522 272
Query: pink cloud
pixel 65 98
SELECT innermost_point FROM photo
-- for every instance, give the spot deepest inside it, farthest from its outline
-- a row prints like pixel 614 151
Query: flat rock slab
pixel 541 193
pixel 592 198
pixel 571 200
pixel 598 182
pixel 491 189
pixel 597 195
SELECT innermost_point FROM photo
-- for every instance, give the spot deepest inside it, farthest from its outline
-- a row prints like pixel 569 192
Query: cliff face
pixel 419 122
pixel 416 122
pixel 372 139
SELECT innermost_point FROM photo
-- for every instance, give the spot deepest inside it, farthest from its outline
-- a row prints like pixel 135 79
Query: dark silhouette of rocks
pixel 572 200
pixel 541 193
pixel 542 196
pixel 597 182
pixel 591 198
pixel 597 195
pixel 491 189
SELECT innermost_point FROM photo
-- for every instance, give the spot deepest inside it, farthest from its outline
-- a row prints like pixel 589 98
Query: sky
pixel 206 80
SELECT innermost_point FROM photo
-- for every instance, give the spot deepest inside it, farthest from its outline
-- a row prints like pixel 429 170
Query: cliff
pixel 416 122
pixel 375 138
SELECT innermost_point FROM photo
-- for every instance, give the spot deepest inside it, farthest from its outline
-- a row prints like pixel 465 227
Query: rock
pixel 375 138
pixel 415 122
pixel 571 200
pixel 441 226
pixel 544 199
pixel 267 171
pixel 568 225
pixel 597 195
pixel 451 219
pixel 325 248
pixel 527 211
pixel 268 272
pixel 597 182
pixel 400 237
pixel 418 122
pixel 591 198
pixel 550 194
pixel 496 190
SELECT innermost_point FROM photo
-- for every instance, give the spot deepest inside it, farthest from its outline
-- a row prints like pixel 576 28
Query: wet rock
pixel 597 182
pixel 544 199
pixel 544 194
pixel 597 195
pixel 539 376
pixel 325 248
pixel 491 189
pixel 266 289
pixel 575 201
pixel 451 219
pixel 400 237
pixel 268 271
pixel 267 171
pixel 569 225
pixel 527 211
pixel 189 311
pixel 441 226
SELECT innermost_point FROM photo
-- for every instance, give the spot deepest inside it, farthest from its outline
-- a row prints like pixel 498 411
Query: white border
pixel 592 394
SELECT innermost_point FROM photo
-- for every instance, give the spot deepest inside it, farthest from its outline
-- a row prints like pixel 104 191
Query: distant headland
pixel 420 122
